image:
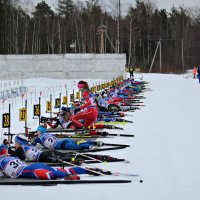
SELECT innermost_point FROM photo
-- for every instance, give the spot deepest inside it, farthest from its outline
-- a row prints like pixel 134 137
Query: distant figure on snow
pixel 131 71
pixel 194 72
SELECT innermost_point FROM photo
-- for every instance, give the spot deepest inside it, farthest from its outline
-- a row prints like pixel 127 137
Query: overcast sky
pixel 166 4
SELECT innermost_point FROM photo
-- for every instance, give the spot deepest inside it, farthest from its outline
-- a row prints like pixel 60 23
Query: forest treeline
pixel 86 27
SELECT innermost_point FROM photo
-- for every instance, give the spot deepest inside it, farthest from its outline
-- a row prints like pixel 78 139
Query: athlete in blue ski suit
pixel 13 167
pixel 49 141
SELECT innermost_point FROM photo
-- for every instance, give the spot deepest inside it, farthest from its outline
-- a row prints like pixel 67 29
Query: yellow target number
pixel 22 114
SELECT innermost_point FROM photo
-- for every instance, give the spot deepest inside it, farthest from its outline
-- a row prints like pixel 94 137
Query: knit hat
pixel 21 139
pixel 42 129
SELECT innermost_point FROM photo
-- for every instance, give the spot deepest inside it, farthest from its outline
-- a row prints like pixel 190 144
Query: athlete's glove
pixel 76 110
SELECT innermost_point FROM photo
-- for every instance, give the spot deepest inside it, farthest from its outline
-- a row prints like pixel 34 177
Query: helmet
pixel 81 84
pixel 5 141
pixel 21 139
pixel 65 109
pixel 76 104
pixel 42 129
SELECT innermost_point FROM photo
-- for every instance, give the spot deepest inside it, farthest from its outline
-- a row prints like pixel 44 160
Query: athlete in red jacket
pixel 85 115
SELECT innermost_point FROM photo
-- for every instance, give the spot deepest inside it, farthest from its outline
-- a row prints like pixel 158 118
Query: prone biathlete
pixel 13 167
pixel 30 153
pixel 51 142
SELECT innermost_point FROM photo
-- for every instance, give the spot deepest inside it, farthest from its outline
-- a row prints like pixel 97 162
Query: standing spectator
pixel 194 72
pixel 198 73
pixel 131 71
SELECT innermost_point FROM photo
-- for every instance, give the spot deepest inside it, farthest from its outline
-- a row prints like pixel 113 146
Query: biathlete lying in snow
pixel 30 153
pixel 49 141
pixel 13 167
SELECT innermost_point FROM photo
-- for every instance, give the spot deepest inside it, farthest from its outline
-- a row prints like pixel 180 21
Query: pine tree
pixel 65 8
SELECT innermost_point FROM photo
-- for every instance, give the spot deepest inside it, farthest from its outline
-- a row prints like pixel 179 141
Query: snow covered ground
pixel 164 152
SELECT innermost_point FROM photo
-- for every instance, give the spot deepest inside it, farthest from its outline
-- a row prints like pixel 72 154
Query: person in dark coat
pixel 131 72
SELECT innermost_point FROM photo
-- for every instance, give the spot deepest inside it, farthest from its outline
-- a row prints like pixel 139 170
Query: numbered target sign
pixel 6 120
pixel 57 103
pixel 48 106
pixel 93 89
pixel 22 114
pixel 100 87
pixel 71 97
pixel 78 95
pixel 65 100
pixel 36 110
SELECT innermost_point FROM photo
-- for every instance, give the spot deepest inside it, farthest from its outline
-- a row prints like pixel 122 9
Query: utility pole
pixel 102 42
pixel 158 43
pixel 160 57
pixel 182 52
pixel 118 25
pixel 101 31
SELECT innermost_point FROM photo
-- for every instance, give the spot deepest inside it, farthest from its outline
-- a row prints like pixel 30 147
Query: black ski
pixel 94 150
pixel 116 145
pixel 103 149
pixel 98 135
pixel 9 181
pixel 123 120
pixel 122 135
pixel 79 136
